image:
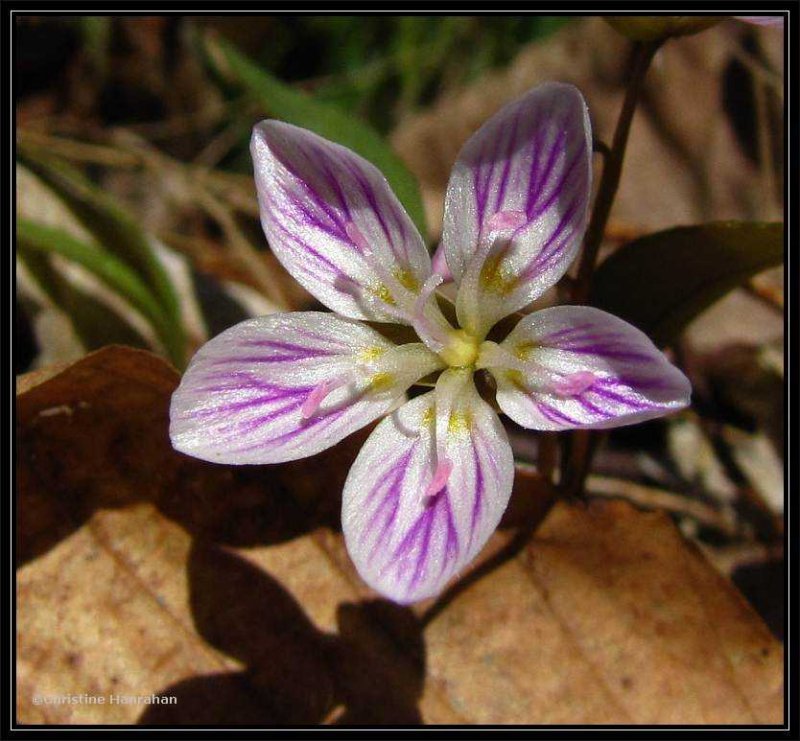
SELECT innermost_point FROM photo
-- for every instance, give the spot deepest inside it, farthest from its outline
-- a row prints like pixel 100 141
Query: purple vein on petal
pixel 565 332
pixel 287 439
pixel 372 200
pixel 451 541
pixel 333 183
pixel 395 477
pixel 422 555
pixel 536 156
pixel 313 195
pixel 554 415
pixel 225 409
pixel 476 185
pixel 551 249
pixel 238 381
pixel 294 347
pixel 604 393
pixel 477 502
pixel 390 497
pixel 306 354
pixel 537 190
pixel 242 427
pixel 559 186
pixel 305 249
pixel 510 145
pixel 294 210
pixel 630 382
pixel 589 407
pixel 406 544
pixel 607 351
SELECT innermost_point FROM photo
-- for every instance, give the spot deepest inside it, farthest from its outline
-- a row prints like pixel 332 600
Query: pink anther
pixel 318 395
pixel 504 221
pixel 574 383
pixel 439 264
pixel 357 237
pixel 440 477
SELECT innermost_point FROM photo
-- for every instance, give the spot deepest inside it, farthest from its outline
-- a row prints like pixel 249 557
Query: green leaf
pixel 106 267
pixel 96 32
pixel 115 229
pixel 95 323
pixel 283 101
pixel 117 232
pixel 663 281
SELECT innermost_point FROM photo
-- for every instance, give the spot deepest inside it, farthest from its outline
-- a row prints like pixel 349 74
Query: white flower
pixel 433 479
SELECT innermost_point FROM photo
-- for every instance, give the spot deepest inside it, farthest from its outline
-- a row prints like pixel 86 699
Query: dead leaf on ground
pixel 145 572
pixel 684 162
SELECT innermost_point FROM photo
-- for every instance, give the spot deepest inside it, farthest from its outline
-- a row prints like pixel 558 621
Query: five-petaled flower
pixel 434 477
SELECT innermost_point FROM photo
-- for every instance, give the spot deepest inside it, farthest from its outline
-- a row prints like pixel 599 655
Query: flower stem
pixel 576 464
pixel 577 458
pixel 609 182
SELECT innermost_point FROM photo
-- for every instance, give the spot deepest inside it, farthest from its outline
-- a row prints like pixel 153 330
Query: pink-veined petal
pixel 568 367
pixel 427 491
pixel 335 224
pixel 516 203
pixel 286 386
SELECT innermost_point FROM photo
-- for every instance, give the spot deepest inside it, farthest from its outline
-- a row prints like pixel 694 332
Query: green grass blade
pixel 283 101
pixel 109 269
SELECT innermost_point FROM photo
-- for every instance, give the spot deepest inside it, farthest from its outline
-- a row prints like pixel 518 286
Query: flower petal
pixel 335 224
pixel 516 203
pixel 439 264
pixel 576 366
pixel 286 386
pixel 427 491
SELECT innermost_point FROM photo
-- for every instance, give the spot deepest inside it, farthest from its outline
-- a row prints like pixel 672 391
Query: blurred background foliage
pixel 172 99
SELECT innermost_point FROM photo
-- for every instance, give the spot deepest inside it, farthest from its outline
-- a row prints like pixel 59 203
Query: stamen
pixel 533 373
pixel 357 236
pixel 492 355
pixel 441 475
pixel 495 237
pixel 574 383
pixel 434 337
pixel 428 287
pixel 439 264
pixel 377 304
pixel 320 392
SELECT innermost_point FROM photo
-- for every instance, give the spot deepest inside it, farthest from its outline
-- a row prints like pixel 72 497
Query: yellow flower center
pixel 461 349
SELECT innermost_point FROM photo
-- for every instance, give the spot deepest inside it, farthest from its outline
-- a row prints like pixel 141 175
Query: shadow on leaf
pixel 372 672
pixel 96 436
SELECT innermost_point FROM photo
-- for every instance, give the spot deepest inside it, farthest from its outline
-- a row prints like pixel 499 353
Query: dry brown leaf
pixel 623 622
pixel 684 162
pixel 145 572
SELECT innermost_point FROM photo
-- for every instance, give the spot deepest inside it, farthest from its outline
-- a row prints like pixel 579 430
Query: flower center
pixel 455 347
pixel 461 349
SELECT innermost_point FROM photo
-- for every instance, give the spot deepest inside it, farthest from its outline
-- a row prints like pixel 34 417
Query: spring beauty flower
pixel 434 477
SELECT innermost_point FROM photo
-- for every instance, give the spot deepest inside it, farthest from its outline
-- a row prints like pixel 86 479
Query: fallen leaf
pixel 761 465
pixel 623 622
pixel 684 162
pixel 144 573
